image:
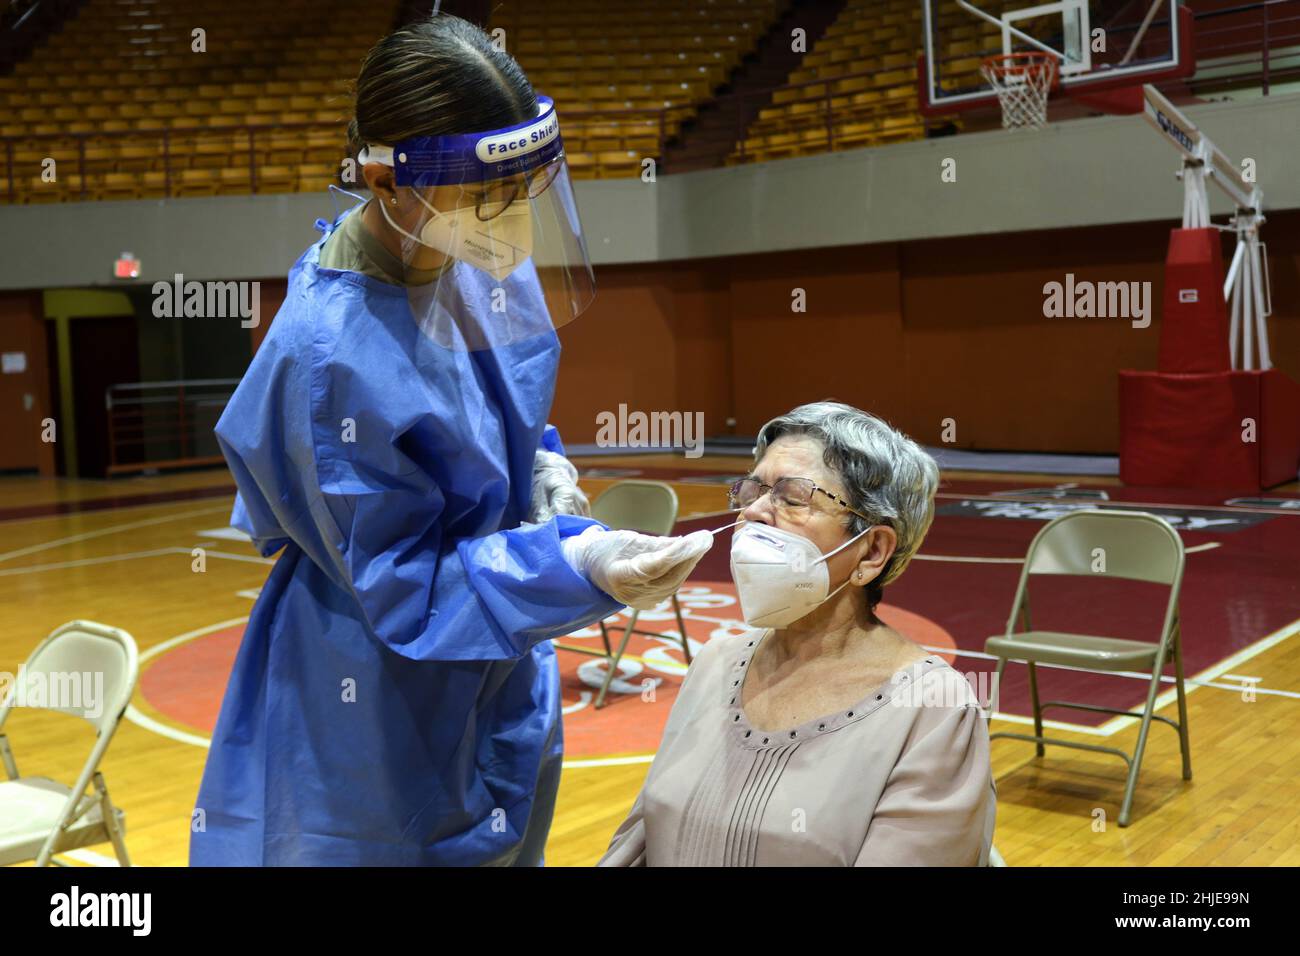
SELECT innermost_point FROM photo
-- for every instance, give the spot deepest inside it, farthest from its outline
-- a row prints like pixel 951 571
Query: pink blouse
pixel 901 778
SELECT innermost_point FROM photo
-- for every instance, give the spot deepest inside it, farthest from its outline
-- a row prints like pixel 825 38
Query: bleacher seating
pixel 131 103
pixel 127 108
pixel 626 75
pixel 857 85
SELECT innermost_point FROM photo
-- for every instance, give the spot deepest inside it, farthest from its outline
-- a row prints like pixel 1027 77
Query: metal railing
pixel 1266 28
pixel 168 141
pixel 158 425
pixel 165 138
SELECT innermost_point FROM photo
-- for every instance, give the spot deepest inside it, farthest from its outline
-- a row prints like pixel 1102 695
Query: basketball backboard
pixel 1100 45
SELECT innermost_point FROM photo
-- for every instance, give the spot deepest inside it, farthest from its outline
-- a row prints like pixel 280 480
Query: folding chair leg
pixel 613 661
pixel 111 822
pixel 1183 740
pixel 1038 712
pixel 46 856
pixel 604 636
pixel 997 686
pixel 69 813
pixel 1126 809
pixel 7 758
pixel 681 628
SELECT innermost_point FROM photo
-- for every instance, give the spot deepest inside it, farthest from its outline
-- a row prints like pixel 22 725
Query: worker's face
pixel 411 207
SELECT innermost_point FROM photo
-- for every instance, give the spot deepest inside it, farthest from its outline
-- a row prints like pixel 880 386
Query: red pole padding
pixel 1194 324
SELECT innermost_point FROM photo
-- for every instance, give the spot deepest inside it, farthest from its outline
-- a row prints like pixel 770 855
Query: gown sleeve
pixel 551 441
pixel 489 598
pixel 939 802
pixel 397 485
pixel 242 517
pixel 427 593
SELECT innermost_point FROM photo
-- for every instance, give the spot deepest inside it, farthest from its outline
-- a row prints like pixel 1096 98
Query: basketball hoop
pixel 1022 82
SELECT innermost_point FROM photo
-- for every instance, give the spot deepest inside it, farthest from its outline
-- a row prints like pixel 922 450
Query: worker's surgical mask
pixel 498 246
pixel 780 577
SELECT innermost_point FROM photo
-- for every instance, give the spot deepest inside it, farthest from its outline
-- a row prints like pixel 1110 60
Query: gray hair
pixel 885 474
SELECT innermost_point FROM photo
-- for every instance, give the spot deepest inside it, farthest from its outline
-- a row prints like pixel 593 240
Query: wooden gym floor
pixel 120 553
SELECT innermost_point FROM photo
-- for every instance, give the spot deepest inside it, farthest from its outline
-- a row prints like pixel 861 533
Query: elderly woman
pixel 807 742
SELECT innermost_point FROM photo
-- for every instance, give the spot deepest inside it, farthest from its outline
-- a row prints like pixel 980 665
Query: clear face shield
pixel 492 245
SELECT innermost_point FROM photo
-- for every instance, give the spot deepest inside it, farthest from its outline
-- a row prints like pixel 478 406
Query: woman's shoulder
pixel 933 682
pixel 939 705
pixel 928 691
pixel 922 674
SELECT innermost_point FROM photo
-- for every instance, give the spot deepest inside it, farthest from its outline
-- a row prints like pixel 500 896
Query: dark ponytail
pixel 438 76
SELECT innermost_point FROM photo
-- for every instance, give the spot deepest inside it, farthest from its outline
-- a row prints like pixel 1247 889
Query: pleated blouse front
pixel 901 778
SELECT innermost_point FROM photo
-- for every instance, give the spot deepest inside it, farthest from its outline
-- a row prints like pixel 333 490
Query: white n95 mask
pixel 498 246
pixel 780 576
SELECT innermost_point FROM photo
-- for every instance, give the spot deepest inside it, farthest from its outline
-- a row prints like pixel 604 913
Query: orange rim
pixel 1009 64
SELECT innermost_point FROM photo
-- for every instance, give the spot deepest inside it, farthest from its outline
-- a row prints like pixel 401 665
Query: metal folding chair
pixel 1136 546
pixel 40 817
pixel 649 507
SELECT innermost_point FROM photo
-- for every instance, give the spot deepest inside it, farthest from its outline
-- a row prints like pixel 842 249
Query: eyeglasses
pixel 792 495
pixel 497 196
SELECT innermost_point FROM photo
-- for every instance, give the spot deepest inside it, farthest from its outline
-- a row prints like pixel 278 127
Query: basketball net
pixel 1022 82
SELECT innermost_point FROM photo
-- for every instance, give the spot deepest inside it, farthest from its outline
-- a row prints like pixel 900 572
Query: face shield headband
pixel 461 158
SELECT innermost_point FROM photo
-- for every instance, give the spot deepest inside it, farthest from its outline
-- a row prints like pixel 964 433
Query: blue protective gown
pixel 395 700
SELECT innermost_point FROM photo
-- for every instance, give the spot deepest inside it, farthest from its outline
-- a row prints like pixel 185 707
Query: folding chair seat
pixel 40 817
pixel 1124 545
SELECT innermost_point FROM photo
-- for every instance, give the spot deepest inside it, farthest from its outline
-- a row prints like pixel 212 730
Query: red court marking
pixel 1232 596
pixel 186 684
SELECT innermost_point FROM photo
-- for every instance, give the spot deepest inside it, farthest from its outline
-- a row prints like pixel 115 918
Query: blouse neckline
pixel 752 738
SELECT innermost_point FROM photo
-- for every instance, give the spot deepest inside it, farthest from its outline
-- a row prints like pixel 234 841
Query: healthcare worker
pixel 396 698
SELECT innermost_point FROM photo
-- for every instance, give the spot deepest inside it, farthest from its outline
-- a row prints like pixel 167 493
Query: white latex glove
pixel 638 569
pixel 555 488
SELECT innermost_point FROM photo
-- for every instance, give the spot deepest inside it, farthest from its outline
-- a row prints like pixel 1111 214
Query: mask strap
pixel 335 189
pixel 850 577
pixel 398 228
pixel 837 590
pixel 831 554
pixel 432 209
